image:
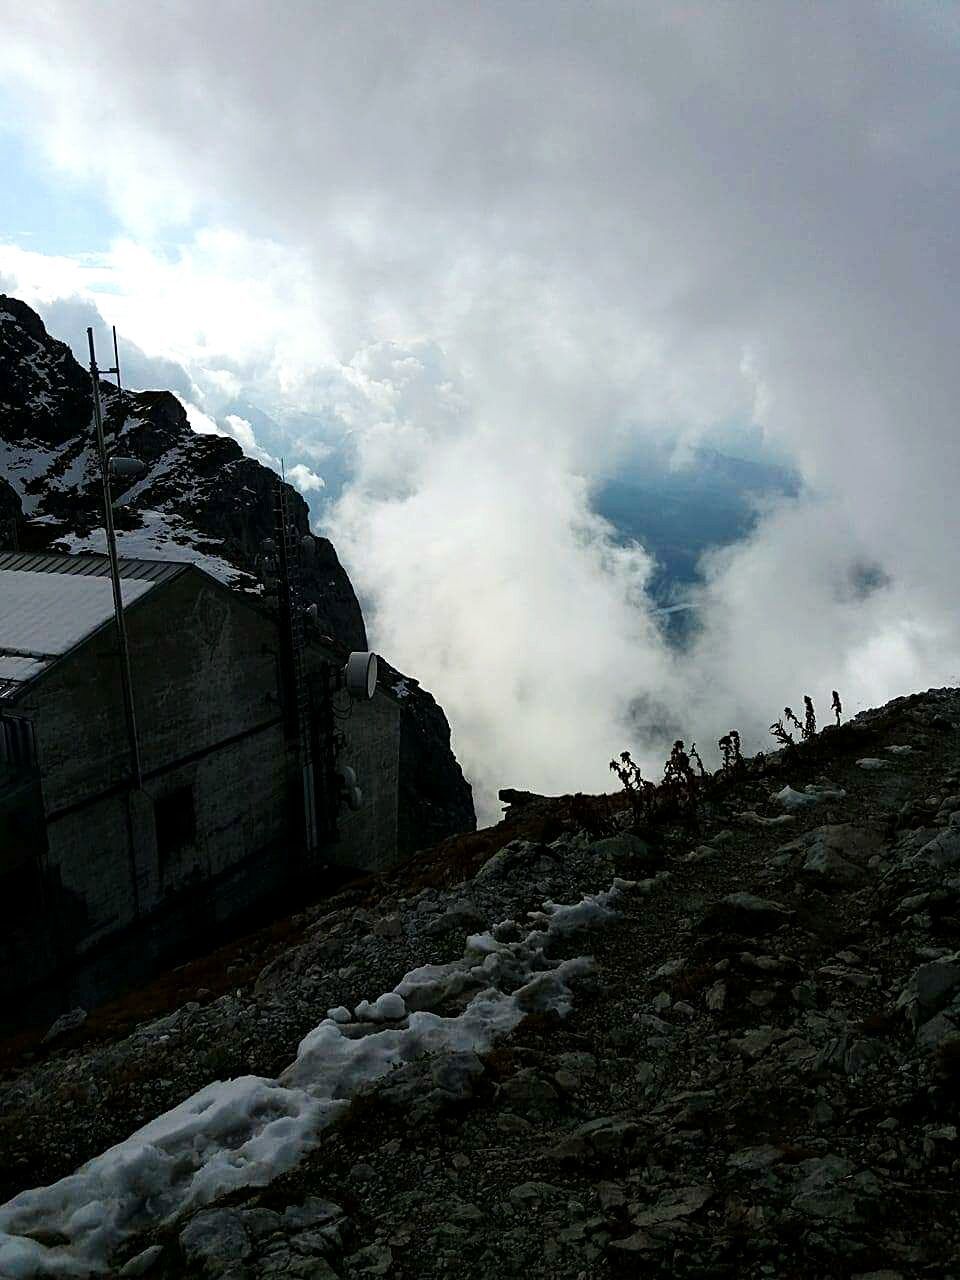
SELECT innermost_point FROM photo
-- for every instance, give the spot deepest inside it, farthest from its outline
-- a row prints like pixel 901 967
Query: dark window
pixel 176 821
pixel 17 744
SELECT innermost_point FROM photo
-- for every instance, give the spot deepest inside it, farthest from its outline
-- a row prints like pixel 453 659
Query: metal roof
pixel 47 607
pixel 91 565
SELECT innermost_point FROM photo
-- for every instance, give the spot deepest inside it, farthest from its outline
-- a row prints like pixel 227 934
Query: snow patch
pixel 247 1131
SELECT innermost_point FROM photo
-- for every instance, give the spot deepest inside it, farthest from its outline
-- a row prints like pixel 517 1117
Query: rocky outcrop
pixel 435 798
pixel 201 499
pixel 757 1075
pixel 44 393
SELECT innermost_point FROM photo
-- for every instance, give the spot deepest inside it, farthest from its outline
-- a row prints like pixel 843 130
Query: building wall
pixel 205 693
pixel 368 836
pixel 205 681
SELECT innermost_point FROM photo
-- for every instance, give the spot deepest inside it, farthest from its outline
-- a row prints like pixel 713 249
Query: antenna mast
pixel 125 677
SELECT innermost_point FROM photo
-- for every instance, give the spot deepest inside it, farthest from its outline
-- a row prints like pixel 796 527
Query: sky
pixel 489 251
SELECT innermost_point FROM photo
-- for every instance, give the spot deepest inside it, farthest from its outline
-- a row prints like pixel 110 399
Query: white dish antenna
pixel 360 676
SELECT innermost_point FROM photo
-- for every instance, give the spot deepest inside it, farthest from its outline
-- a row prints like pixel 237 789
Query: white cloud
pixel 305 480
pixel 494 247
pixel 201 422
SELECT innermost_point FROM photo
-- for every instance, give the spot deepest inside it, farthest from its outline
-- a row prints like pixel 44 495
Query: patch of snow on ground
pixel 811 794
pixel 247 1131
pixel 20 465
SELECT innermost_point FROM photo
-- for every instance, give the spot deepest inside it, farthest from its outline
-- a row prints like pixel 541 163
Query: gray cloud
pixel 602 222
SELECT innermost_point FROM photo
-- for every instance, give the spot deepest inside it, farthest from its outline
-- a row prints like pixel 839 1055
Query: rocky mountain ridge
pixel 201 499
pixel 753 1072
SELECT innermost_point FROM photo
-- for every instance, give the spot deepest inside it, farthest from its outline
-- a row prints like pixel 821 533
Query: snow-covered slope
pixel 201 499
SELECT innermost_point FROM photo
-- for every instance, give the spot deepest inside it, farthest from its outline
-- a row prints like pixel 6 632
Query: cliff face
pixel 201 500
pixel 434 799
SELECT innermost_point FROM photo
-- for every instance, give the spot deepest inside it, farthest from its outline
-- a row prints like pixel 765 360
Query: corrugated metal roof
pixel 44 613
pixel 91 566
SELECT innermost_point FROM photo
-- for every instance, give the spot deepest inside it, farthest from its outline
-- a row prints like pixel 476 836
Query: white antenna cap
pixel 361 675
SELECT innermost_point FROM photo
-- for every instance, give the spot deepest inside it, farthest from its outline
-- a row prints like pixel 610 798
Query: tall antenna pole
pixel 125 678
pixel 116 370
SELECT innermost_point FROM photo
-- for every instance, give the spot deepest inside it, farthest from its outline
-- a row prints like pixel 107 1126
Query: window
pixel 17 743
pixel 176 821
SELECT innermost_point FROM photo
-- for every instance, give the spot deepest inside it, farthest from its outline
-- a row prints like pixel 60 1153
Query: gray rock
pixel 314 1212
pixel 604 1136
pixel 624 851
pixel 142 1262
pixel 830 868
pixel 462 917
pixel 680 1202
pixel 66 1022
pixel 942 851
pixel 754 1159
pixel 429 1085
pixel 217 1241
pixel 388 927
pixel 850 1054
pixel 527 1194
pixel 517 857
pixel 374 1260
pixel 937 1031
pixel 528 1090
pixel 936 983
pixel 832 1192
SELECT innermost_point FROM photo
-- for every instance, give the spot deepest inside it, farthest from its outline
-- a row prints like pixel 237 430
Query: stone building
pixel 92 867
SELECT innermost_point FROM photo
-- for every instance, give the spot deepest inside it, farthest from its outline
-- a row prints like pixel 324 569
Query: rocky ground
pixel 760 1077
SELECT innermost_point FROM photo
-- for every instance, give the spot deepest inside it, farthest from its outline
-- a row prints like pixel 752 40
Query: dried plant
pixel 677 770
pixel 679 780
pixel 676 791
pixel 586 814
pixel 808 729
pixel 809 719
pixel 641 794
pixel 695 755
pixel 788 715
pixel 729 745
